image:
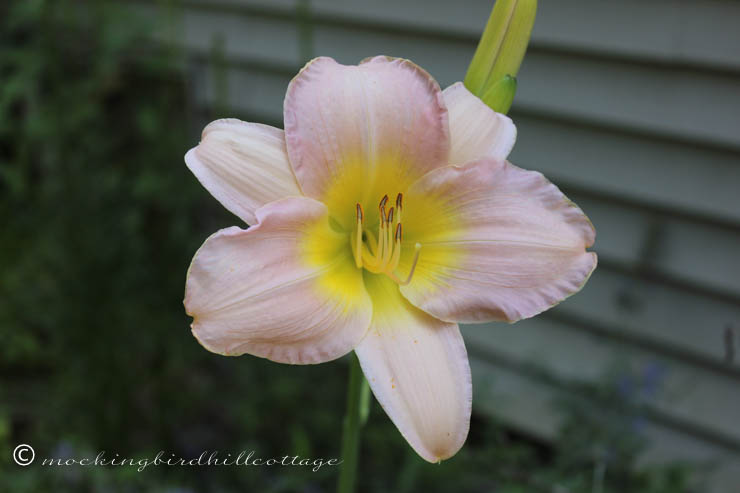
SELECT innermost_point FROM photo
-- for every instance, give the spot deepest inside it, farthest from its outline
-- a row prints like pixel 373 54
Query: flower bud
pixel 501 50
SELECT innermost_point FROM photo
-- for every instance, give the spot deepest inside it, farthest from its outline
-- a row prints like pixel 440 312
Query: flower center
pixel 382 254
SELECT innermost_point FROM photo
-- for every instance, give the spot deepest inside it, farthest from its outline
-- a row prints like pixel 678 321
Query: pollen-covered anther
pixel 399 205
pixel 382 254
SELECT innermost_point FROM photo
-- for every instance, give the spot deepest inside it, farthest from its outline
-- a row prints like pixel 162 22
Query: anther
pixel 381 208
pixel 399 232
pixel 360 213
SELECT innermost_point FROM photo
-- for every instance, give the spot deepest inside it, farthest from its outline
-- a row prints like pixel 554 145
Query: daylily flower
pixel 383 216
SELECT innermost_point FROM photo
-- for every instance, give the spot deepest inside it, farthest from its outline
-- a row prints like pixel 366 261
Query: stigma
pixel 381 254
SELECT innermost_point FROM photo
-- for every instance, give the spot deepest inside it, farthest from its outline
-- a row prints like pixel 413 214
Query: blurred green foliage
pixel 99 218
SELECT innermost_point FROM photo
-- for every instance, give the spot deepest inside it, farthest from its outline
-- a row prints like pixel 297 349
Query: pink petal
pixel 244 165
pixel 286 289
pixel 418 370
pixel 476 130
pixel 499 243
pixel 355 133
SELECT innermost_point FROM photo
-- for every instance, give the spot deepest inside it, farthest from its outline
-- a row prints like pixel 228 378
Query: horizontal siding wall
pixel 632 108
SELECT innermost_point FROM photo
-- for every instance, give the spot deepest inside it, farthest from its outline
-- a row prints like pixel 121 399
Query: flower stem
pixel 358 405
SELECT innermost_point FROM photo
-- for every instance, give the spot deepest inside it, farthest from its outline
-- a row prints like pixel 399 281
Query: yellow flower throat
pixel 382 254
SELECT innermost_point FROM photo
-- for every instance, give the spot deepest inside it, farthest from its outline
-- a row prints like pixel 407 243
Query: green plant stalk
pixel 358 405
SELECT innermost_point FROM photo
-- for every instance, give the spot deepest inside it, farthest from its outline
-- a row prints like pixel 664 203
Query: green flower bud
pixel 501 50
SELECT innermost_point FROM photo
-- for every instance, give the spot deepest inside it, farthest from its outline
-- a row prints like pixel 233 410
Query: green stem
pixel 358 401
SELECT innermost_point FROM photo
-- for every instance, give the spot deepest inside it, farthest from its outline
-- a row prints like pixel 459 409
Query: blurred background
pixel 631 107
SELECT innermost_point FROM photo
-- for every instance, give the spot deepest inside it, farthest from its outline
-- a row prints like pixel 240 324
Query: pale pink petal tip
pixel 520 247
pixel 243 165
pixel 418 370
pixel 250 291
pixel 382 114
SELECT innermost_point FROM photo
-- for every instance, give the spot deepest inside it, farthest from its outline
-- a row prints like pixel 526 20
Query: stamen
pixel 399 205
pixel 369 261
pixel 396 248
pixel 381 223
pixel 387 254
pixel 382 255
pixel 372 242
